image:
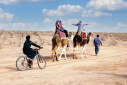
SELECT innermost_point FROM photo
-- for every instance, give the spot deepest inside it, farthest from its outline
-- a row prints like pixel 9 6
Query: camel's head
pixel 89 37
pixel 71 35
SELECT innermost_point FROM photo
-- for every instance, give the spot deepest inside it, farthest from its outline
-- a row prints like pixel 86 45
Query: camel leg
pixel 53 55
pixel 65 52
pixel 74 57
pixel 60 55
pixel 82 52
pixel 74 54
pixel 85 51
pixel 53 51
pixel 56 53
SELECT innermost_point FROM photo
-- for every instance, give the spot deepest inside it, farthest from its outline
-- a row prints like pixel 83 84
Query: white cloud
pixel 121 25
pixel 72 9
pixel 4 25
pixel 91 13
pixel 67 24
pixel 8 1
pixel 35 25
pixel 26 1
pixel 70 21
pixel 26 26
pixel 18 25
pixel 97 13
pixel 63 10
pixel 4 16
pixel 55 13
pixel 47 20
pixel 107 4
pixel 44 10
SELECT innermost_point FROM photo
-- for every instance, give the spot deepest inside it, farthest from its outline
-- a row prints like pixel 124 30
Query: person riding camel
pixel 59 26
pixel 81 30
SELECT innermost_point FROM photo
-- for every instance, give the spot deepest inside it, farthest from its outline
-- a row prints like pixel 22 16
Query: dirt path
pixel 108 68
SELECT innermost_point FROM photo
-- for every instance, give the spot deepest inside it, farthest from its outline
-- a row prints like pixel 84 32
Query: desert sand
pixel 108 68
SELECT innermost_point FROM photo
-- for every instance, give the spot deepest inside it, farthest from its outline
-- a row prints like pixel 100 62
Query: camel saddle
pixel 81 34
pixel 61 34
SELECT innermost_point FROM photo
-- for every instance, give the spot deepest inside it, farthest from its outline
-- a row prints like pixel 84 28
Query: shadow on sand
pixel 117 75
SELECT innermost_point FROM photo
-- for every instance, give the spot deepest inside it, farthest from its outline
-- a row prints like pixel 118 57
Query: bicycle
pixel 24 61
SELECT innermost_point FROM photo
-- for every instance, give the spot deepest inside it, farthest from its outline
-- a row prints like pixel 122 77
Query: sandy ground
pixel 108 68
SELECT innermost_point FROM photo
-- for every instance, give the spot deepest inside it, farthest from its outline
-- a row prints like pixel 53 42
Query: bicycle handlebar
pixel 38 48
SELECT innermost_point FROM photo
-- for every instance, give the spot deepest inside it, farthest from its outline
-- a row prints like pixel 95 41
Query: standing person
pixel 29 51
pixel 80 28
pixel 97 42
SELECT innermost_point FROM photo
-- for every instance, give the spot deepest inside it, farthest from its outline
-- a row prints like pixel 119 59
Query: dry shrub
pixel 2 32
pixel 48 42
pixel 110 35
pixel 113 42
pixel 19 44
pixel 36 42
pixel 22 35
pixel 36 33
pixel 0 45
pixel 42 40
pixel 103 38
pixel 11 35
pixel 12 42
pixel 120 36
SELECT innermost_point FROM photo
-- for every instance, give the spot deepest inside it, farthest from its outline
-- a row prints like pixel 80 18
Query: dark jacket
pixel 27 45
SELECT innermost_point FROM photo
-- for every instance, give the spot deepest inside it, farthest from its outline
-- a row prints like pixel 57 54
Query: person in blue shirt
pixel 97 42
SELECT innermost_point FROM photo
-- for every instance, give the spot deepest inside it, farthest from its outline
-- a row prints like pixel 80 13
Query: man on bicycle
pixel 31 53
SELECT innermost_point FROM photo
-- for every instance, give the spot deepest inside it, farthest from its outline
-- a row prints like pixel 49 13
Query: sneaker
pixel 67 45
pixel 30 64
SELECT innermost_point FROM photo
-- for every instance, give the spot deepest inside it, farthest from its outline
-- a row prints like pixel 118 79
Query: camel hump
pixel 77 38
pixel 56 38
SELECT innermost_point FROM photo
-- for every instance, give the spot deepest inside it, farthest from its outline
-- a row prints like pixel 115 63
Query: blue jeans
pixel 96 49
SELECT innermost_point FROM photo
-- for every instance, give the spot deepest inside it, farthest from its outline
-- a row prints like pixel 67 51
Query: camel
pixel 79 42
pixel 58 42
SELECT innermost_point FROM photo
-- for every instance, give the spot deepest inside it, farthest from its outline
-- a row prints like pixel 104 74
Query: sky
pixel 41 15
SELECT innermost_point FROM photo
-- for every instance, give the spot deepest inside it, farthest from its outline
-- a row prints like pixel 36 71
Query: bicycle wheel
pixel 41 62
pixel 22 63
